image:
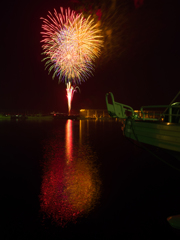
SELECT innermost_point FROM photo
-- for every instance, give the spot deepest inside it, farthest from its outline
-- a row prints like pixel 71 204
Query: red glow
pixel 75 1
pixel 99 14
pixel 138 3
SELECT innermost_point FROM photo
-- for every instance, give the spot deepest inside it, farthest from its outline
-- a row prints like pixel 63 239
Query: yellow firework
pixel 71 46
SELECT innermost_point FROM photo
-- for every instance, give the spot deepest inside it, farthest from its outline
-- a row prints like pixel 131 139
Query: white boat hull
pixel 163 135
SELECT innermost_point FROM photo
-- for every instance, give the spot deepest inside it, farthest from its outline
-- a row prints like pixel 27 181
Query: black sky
pixel 146 73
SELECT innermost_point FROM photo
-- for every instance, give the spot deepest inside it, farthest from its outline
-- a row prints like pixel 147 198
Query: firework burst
pixel 71 44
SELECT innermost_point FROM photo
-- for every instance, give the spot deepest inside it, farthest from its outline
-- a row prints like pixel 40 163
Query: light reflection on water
pixel 69 140
pixel 70 184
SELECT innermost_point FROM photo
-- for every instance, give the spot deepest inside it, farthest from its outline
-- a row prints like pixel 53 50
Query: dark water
pixel 82 180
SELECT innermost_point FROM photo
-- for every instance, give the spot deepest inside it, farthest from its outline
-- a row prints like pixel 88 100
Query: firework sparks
pixel 70 93
pixel 71 44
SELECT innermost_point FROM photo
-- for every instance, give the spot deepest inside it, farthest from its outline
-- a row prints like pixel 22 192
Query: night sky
pixel 142 69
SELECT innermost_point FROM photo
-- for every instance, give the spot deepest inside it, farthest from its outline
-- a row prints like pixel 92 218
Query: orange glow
pixel 69 140
pixel 79 186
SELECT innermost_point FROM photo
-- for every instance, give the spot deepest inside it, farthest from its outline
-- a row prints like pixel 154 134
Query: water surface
pixel 66 179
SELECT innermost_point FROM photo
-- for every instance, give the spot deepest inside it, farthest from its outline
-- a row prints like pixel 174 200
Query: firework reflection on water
pixel 70 185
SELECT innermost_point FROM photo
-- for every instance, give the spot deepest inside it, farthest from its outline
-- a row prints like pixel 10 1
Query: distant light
pixel 82 110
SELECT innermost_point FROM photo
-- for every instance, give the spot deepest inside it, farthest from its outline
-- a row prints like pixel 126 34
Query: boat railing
pixel 118 110
pixel 168 113
pixel 147 115
pixel 122 111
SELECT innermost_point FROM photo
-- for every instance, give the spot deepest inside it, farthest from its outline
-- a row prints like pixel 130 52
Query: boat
pixel 157 125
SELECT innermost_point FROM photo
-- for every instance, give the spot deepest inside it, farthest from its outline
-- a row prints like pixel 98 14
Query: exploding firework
pixel 71 44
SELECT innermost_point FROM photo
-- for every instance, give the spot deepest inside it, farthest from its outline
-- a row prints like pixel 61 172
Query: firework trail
pixel 70 93
pixel 71 44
